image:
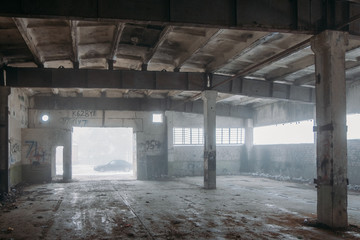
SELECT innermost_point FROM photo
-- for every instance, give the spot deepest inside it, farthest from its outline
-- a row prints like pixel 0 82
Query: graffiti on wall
pixel 78 118
pixel 83 113
pixel 14 151
pixel 74 121
pixel 151 145
pixel 35 154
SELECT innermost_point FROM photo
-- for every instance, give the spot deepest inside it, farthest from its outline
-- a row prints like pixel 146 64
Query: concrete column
pixel 67 157
pixel 249 143
pixel 329 48
pixel 170 140
pixel 209 98
pixel 4 139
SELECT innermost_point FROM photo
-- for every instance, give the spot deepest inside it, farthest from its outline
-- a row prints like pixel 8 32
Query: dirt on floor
pixel 242 207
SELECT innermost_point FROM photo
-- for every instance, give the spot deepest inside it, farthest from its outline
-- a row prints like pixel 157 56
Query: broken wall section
pixel 18 120
pixel 188 160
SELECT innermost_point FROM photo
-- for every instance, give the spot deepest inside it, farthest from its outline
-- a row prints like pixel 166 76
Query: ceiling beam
pixel 134 104
pixel 282 73
pixel 144 80
pixel 224 97
pixel 285 16
pixel 163 35
pixel 256 66
pixel 116 40
pixel 29 41
pixel 173 93
pixel 213 34
pixel 74 43
pixel 309 78
pixel 221 62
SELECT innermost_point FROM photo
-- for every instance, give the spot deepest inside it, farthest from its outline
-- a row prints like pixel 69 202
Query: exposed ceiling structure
pixel 277 57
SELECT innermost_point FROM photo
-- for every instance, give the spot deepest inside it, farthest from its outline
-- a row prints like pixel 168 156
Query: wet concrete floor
pixel 241 207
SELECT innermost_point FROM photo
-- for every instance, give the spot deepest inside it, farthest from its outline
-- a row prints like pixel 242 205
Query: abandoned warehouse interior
pixel 214 72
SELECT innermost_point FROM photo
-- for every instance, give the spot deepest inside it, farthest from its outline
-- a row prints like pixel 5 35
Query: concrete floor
pixel 241 207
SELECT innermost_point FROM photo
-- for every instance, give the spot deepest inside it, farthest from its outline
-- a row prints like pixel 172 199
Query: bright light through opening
pixel 352 121
pixel 45 118
pixel 157 118
pixel 289 133
pixel 102 152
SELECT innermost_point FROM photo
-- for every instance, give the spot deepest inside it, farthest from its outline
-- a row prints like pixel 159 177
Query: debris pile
pixel 7 200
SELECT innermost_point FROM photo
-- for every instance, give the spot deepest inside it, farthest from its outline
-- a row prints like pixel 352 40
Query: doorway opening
pixel 59 159
pixel 103 153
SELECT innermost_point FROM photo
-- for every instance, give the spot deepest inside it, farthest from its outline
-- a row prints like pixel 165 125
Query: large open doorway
pixel 103 153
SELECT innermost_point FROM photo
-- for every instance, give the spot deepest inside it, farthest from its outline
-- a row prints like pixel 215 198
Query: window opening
pixel 195 136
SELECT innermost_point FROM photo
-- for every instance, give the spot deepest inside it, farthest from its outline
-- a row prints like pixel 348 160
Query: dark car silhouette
pixel 114 165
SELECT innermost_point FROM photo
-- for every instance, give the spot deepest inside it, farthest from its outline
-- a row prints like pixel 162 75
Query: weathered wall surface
pixel 298 161
pixel 353 98
pixel 39 152
pixel 288 160
pixel 189 160
pixel 353 147
pixel 150 137
pixel 151 148
pixel 18 119
pixel 283 112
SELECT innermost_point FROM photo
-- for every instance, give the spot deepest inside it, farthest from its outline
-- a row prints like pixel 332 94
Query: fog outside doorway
pixel 102 153
pixel 59 159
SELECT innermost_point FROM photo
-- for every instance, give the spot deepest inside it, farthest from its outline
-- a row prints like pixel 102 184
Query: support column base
pixel 331 207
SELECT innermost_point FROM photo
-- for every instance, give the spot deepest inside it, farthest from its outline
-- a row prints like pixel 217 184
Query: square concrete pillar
pixel 67 157
pixel 209 98
pixel 247 164
pixel 4 139
pixel 331 141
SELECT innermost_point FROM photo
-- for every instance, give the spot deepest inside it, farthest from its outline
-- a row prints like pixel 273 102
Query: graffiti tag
pixel 14 150
pixel 74 121
pixel 35 153
pixel 83 113
pixel 152 145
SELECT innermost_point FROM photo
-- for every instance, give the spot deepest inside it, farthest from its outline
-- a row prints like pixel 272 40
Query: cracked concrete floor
pixel 241 207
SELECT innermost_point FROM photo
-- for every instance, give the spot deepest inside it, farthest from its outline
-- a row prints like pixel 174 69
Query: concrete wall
pixel 39 152
pixel 189 160
pixel 297 161
pixel 18 119
pixel 353 97
pixel 150 138
pixel 283 112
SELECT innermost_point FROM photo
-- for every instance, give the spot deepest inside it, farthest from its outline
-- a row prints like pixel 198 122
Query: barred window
pixel 188 136
pixel 230 136
pixel 195 136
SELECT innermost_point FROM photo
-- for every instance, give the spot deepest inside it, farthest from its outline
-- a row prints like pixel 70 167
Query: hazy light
pixel 353 123
pixel 157 118
pixel 95 146
pixel 288 133
pixel 45 118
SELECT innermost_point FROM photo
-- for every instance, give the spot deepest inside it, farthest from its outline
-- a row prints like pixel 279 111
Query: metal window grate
pixel 195 136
